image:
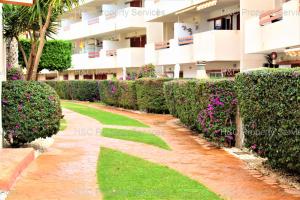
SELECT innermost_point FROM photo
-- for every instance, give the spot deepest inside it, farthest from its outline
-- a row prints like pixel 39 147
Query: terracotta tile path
pixel 68 169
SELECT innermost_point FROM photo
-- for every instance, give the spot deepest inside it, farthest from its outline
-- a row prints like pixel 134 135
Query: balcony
pixel 131 57
pixel 163 7
pixel 274 30
pixel 130 18
pixel 93 60
pixel 217 45
pixel 125 57
pixel 170 52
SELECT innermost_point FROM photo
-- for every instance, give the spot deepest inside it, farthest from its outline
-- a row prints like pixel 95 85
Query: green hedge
pixel 127 98
pixel 57 55
pixel 150 95
pixel 269 102
pixel 109 92
pixel 76 90
pixel 208 106
pixel 118 93
pixel 30 110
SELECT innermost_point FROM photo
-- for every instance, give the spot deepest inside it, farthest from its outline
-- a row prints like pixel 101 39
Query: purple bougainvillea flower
pixel 216 101
pixel 4 101
pixel 253 147
pixel 210 107
pixel 51 98
pixel 229 137
pixel 17 126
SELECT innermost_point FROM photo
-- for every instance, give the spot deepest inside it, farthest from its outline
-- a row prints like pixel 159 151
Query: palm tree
pixel 39 22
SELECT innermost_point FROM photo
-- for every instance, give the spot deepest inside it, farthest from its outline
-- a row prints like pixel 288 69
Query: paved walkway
pixel 68 169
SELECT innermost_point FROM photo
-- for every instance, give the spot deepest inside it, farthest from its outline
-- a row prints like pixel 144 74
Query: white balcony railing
pixel 131 17
pixel 215 45
pixel 125 57
pixel 274 30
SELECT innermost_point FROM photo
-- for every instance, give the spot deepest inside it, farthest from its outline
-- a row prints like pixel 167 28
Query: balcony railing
pixel 95 54
pixel 185 40
pixel 111 15
pixel 272 16
pixel 93 21
pixel 112 52
pixel 162 45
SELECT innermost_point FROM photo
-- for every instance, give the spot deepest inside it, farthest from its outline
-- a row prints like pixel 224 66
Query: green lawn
pixel 135 136
pixel 63 124
pixel 103 117
pixel 122 176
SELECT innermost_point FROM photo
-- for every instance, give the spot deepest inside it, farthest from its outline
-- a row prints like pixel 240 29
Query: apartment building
pixel 183 38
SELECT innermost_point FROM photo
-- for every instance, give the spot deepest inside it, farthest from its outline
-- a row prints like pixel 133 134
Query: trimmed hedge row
pixel 76 90
pixel 270 107
pixel 208 106
pixel 150 95
pixel 118 93
pixel 30 110
pixel 143 94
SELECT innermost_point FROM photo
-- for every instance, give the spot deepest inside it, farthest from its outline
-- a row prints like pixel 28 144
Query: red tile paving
pixel 12 163
pixel 214 167
pixel 68 169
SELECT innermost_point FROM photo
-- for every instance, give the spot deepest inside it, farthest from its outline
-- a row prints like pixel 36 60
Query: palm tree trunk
pixel 41 45
pixel 23 52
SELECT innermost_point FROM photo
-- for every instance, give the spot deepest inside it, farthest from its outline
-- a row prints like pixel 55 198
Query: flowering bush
pixel 217 120
pixel 205 105
pixel 147 71
pixel 30 110
pixel 14 73
pixel 269 103
pixel 109 92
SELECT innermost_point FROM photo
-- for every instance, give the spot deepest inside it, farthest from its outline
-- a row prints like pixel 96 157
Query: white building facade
pixel 182 38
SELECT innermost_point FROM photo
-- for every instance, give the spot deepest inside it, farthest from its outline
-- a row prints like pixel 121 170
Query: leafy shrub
pixel 208 106
pixel 109 92
pixel 118 93
pixel 14 73
pixel 62 88
pixel 30 110
pixel 57 55
pixel 150 95
pixel 127 98
pixel 76 90
pixel 84 90
pixel 269 106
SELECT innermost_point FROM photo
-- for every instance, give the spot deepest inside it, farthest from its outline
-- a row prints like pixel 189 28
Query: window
pixel 139 41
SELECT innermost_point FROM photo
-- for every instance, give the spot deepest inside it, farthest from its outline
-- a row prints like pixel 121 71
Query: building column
pixel 71 75
pixel 124 75
pixel 2 73
pixel 201 72
pixel 177 71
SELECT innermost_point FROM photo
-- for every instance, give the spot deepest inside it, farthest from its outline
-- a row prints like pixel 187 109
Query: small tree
pixel 39 22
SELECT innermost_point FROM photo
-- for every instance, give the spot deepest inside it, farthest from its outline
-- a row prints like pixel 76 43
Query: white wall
pixel 276 36
pixel 249 9
pixel 154 32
